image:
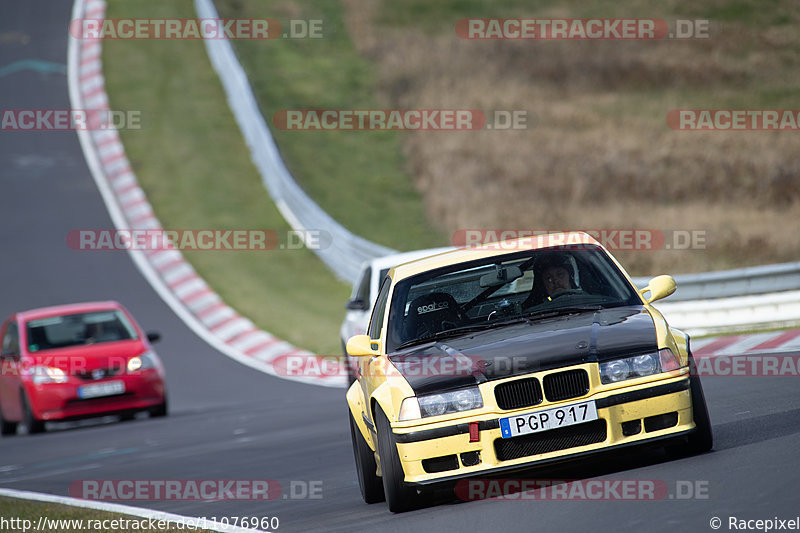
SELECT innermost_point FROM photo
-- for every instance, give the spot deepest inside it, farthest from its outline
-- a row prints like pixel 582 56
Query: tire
pixel 127 416
pixel 366 468
pixel 7 428
pixel 33 424
pixel 399 496
pixel 159 410
pixel 701 439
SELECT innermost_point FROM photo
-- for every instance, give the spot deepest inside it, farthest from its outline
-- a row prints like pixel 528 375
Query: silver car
pixel 365 289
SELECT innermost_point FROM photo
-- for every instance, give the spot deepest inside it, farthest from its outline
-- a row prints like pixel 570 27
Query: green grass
pixel 22 510
pixel 357 177
pixel 196 169
pixel 192 162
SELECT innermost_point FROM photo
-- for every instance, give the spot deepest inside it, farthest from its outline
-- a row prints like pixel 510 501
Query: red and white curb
pixel 167 271
pixel 757 343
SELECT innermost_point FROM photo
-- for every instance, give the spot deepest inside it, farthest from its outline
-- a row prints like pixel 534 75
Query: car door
pixel 370 368
pixel 10 371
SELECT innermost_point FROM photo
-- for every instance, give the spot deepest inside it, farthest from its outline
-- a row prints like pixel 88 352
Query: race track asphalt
pixel 230 422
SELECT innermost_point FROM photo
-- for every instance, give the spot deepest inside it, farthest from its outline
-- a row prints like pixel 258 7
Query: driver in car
pixel 553 274
pixel 556 279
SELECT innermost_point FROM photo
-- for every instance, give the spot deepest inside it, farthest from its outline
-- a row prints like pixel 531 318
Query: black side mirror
pixel 153 336
pixel 357 305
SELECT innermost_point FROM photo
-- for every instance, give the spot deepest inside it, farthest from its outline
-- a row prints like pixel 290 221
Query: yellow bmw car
pixel 512 355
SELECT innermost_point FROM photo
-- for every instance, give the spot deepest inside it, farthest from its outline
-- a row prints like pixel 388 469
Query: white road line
pixel 126 510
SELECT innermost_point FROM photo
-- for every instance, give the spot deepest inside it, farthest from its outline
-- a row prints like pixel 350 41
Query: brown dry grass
pixel 599 153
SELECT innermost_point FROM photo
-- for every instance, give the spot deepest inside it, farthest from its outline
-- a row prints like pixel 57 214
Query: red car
pixel 77 361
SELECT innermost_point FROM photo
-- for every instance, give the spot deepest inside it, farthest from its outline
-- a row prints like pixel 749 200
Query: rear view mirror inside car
pixel 501 276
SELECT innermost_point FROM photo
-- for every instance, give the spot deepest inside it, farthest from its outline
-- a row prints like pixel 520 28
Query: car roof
pixel 68 309
pixel 463 255
pixel 392 260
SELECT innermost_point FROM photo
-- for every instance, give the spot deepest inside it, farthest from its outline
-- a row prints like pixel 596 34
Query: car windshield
pixel 519 286
pixel 78 329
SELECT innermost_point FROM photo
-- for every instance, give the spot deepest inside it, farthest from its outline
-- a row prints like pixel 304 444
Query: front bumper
pixel 634 415
pixel 60 401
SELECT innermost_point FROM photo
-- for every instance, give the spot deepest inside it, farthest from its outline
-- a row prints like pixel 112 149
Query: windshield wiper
pixel 526 317
pixel 547 313
pixel 446 333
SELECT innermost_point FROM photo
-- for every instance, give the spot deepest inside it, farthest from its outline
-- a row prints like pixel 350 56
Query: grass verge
pixel 357 177
pixel 598 153
pixel 192 162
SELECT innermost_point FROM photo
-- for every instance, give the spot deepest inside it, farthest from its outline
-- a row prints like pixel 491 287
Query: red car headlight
pixel 47 374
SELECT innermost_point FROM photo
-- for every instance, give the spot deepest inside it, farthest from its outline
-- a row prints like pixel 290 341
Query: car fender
pixel 681 341
pixel 382 397
pixel 356 404
pixel 668 337
pixel 31 392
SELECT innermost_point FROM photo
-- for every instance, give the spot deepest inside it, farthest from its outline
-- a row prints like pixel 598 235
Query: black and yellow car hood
pixel 526 347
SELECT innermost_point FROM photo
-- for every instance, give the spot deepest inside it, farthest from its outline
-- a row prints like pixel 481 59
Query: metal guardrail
pixel 739 282
pixel 736 313
pixel 346 251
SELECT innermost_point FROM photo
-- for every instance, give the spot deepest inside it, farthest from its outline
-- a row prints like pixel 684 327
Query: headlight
pixel 141 362
pixel 440 404
pixel 639 366
pixel 409 410
pixel 48 374
pixel 645 365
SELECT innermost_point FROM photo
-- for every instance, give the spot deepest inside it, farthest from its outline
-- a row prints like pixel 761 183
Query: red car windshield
pixel 78 329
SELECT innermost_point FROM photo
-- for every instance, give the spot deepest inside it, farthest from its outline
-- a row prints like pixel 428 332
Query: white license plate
pixel 109 388
pixel 557 417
